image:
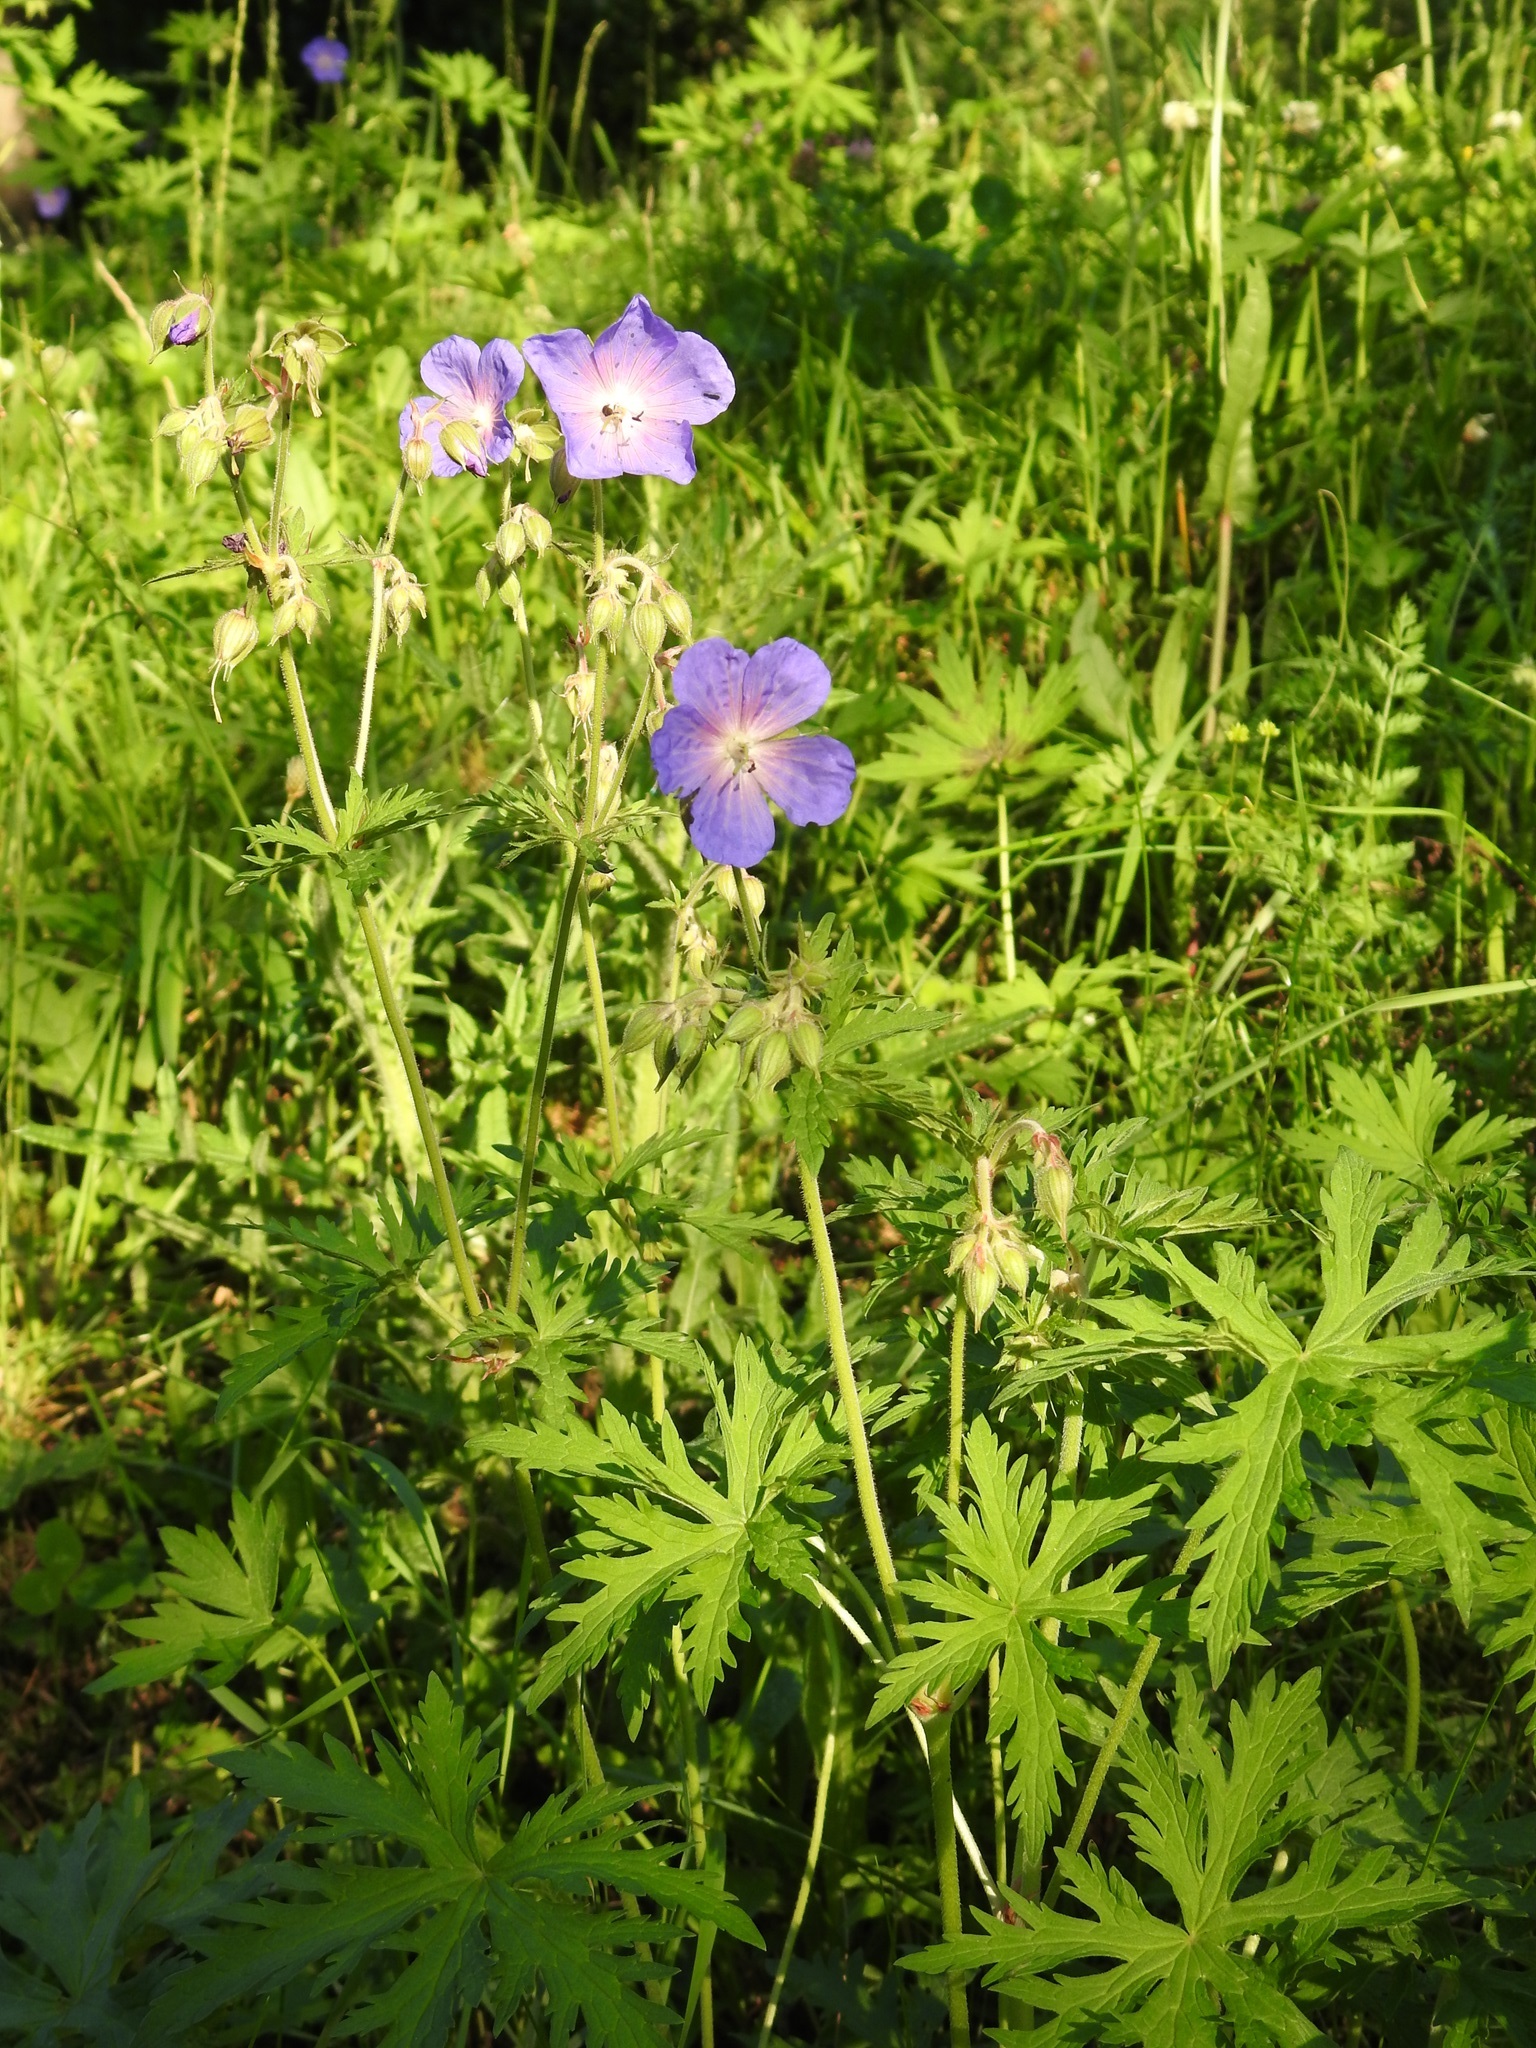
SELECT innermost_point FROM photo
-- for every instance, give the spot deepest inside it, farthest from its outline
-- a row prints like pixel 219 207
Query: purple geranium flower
pixel 721 744
pixel 473 388
pixel 51 201
pixel 183 332
pixel 325 59
pixel 628 402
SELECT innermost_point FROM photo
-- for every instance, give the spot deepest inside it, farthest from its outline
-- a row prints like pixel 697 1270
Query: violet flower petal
pixel 563 364
pixel 708 681
pixel 657 447
pixel 590 453
pixel 450 369
pixel 681 376
pixel 501 370
pixel 183 332
pixel 810 778
pixel 785 684
pixel 731 822
pixel 687 750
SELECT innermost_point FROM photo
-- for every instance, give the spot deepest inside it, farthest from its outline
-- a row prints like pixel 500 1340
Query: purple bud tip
pixel 51 201
pixel 325 59
pixel 235 542
pixel 181 333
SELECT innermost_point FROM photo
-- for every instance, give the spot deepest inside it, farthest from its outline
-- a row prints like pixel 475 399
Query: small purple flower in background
pixel 472 389
pixel 325 59
pixel 628 402
pixel 722 745
pixel 50 203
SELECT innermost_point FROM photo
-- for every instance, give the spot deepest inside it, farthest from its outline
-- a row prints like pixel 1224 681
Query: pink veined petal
pixel 589 452
pixel 563 364
pixel 785 684
pixel 687 751
pixel 668 375
pixel 708 681
pixel 659 447
pixel 500 372
pixel 731 822
pixel 809 778
pixel 450 367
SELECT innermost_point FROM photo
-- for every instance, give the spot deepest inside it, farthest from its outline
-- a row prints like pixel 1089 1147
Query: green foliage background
pixel 1174 568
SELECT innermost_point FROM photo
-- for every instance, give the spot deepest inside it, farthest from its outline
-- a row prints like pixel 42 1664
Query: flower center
pixel 738 752
pixel 623 414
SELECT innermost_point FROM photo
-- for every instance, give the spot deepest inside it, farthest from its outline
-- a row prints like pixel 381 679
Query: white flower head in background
pixel 1180 117
pixel 1507 121
pixel 1302 117
pixel 1389 155
pixel 1475 432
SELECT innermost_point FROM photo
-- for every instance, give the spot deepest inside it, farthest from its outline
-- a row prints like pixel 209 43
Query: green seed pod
pixel 250 427
pixel 417 458
pixel 980 1274
pixel 404 597
pixel 1053 1181
pixel 774 1058
pixel 510 591
pixel 486 586
pixel 605 614
pixel 648 623
pixel 806 1039
pixel 675 607
pixel 200 460
pixel 538 529
pixel 511 542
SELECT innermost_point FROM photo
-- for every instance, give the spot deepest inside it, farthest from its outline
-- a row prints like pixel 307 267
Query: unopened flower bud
pixel 605 614
pixel 725 885
pixel 485 586
pixel 403 598
pixel 648 623
pixel 178 322
pixel 607 772
pixel 538 529
pixel 1053 1181
pixel 416 453
pixel 234 636
pixel 296 614
pixel 989 1254
pixel 806 1039
pixel 675 609
pixel 774 1058
pixel 461 444
pixel 295 779
pixel 510 591
pixel 511 542
pixel 697 946
pixel 200 462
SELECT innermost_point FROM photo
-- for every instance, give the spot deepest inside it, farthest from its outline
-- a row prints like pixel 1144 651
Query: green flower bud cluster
pixel 991 1252
pixel 778 1030
pixel 522 528
pixel 295 609
pixel 1053 1180
pixel 204 433
pixel 403 599
pixel 627 587
pixel 679 1033
pixel 304 349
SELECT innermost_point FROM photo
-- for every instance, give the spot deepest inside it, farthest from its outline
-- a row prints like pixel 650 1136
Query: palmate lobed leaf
pixel 1340 1382
pixel 677 1537
pixel 1203 1818
pixel 480 1919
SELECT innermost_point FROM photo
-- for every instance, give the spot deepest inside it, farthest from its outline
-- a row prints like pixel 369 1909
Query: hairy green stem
pixel 600 1030
pixel 853 1417
pixel 376 631
pixel 533 1116
pixel 941 1779
pixel 803 1896
pixel 1124 1713
pixel 1005 889
pixel 402 1037
pixel 1414 1682
pixel 956 1401
pixel 698 1830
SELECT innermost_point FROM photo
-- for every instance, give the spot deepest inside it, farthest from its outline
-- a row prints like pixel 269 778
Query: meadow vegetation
pixel 938 1437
